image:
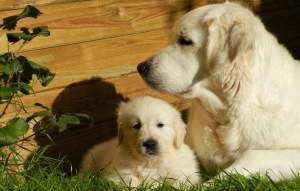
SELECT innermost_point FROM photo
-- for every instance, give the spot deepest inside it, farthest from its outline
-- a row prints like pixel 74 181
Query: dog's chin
pixel 155 84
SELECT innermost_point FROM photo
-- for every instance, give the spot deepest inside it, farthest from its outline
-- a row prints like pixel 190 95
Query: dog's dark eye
pixel 137 125
pixel 160 125
pixel 184 41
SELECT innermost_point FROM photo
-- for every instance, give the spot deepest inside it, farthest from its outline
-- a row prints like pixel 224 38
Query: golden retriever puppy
pixel 150 146
pixel 245 85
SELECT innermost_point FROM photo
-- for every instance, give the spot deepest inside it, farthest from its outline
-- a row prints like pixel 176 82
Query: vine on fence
pixel 17 75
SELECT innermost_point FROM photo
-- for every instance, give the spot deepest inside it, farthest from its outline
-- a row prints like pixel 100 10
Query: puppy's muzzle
pixel 151 146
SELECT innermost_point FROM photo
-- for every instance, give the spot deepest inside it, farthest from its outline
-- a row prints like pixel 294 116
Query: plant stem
pixel 20 48
pixel 6 106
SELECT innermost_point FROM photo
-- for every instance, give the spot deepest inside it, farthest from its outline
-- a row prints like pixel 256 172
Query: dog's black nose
pixel 150 146
pixel 144 67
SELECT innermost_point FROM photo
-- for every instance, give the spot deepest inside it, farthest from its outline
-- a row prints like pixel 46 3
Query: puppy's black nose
pixel 144 67
pixel 150 146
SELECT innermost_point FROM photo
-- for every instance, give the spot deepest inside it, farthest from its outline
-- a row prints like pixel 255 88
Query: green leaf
pixel 41 31
pixel 6 92
pixel 5 63
pixel 10 133
pixel 10 23
pixel 25 30
pixel 15 37
pixel 4 68
pixel 67 119
pixel 16 66
pixel 84 118
pixel 25 88
pixel 30 68
pixel 40 114
pixel 18 126
pixel 45 76
pixel 73 119
pixel 30 11
pixel 26 35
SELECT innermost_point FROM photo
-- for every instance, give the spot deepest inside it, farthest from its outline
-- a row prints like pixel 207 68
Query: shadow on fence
pixel 94 97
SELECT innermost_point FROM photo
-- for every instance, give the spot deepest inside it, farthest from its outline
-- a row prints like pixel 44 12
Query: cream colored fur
pixel 130 163
pixel 245 86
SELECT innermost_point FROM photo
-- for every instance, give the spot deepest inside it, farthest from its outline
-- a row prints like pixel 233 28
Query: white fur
pixel 246 89
pixel 130 163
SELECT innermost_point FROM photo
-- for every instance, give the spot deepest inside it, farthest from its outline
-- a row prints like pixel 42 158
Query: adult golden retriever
pixel 245 86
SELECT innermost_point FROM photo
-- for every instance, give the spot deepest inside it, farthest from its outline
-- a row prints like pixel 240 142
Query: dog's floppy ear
pixel 120 116
pixel 180 131
pixel 230 47
pixel 240 43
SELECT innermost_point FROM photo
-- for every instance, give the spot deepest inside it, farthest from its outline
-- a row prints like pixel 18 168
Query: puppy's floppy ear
pixel 180 131
pixel 120 116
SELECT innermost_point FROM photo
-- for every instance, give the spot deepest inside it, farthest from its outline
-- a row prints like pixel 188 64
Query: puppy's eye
pixel 137 125
pixel 184 41
pixel 160 125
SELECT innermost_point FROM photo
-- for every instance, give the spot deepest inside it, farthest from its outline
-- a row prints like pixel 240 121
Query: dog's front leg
pixel 200 91
pixel 277 164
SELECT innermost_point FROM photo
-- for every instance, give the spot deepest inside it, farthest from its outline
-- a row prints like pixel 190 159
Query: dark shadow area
pixel 95 97
pixel 283 20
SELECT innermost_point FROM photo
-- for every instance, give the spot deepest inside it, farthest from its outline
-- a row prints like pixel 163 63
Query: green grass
pixel 46 174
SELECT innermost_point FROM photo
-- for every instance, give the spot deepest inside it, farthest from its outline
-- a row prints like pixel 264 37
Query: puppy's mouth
pixel 151 152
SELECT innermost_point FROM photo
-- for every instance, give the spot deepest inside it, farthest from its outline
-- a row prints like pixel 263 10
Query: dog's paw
pixel 189 94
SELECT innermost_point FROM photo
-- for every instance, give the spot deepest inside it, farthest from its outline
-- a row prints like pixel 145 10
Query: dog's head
pixel 206 41
pixel 150 126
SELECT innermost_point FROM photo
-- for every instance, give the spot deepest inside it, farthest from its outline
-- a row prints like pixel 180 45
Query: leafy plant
pixel 17 74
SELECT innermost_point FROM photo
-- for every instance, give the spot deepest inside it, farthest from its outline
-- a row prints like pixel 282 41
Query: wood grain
pixel 102 58
pixel 17 4
pixel 89 20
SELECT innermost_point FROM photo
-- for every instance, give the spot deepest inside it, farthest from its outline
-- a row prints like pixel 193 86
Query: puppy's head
pixel 204 42
pixel 150 126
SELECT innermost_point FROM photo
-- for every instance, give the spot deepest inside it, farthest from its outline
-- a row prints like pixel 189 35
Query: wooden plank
pixel 97 97
pixel 89 20
pixel 18 4
pixel 103 58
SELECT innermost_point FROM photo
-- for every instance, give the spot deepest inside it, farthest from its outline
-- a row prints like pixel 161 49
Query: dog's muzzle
pixel 150 146
pixel 144 70
pixel 144 67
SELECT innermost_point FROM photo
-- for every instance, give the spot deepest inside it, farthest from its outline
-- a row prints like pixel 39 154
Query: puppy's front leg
pixel 209 100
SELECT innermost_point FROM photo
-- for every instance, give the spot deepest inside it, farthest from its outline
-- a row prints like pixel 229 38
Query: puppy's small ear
pixel 120 113
pixel 180 131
